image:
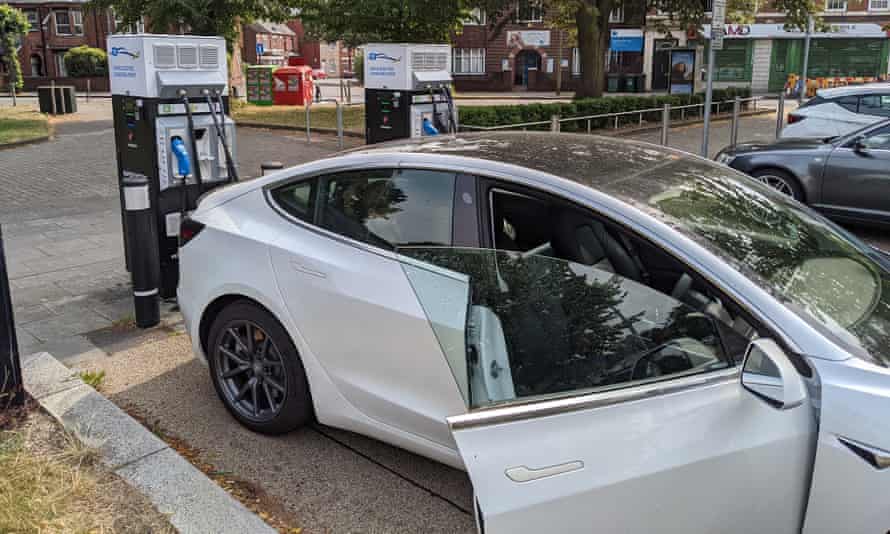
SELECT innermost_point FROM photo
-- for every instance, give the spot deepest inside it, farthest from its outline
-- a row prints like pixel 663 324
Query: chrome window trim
pixel 534 409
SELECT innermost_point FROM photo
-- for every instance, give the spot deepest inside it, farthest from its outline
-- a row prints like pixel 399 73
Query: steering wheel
pixel 650 365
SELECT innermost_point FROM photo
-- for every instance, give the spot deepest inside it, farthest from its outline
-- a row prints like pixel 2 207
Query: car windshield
pixel 824 274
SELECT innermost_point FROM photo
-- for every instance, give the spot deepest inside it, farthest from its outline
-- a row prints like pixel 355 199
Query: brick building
pixel 521 51
pixel 279 42
pixel 332 57
pixel 57 26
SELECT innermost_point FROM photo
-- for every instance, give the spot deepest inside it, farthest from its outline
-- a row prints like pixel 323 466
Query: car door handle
pixel 522 473
pixel 297 266
pixel 878 458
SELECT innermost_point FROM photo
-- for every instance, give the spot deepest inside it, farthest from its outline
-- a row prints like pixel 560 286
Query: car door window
pixel 877 139
pixel 875 105
pixel 390 207
pixel 542 326
pixel 566 303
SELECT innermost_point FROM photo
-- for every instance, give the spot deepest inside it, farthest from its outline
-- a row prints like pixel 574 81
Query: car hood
pixel 790 143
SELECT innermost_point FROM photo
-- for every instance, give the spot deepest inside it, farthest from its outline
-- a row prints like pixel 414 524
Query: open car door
pixel 851 478
pixel 599 404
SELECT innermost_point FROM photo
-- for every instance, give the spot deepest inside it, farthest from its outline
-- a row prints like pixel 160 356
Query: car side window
pixel 850 103
pixel 390 207
pixel 298 199
pixel 878 139
pixel 566 304
pixel 875 105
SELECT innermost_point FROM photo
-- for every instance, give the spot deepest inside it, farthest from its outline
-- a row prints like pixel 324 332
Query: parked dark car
pixel 846 177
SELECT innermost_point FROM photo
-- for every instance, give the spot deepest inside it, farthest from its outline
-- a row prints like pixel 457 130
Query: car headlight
pixel 725 158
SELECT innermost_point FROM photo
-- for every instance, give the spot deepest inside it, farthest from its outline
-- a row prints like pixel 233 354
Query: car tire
pixel 781 181
pixel 257 371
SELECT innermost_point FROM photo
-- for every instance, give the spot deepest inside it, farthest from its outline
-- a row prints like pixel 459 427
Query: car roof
pixel 631 171
pixel 867 89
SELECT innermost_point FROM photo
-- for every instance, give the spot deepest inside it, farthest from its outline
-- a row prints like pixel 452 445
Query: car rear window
pixel 850 103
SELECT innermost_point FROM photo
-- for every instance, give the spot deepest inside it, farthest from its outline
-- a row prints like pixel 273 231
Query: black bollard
pixel 11 390
pixel 142 236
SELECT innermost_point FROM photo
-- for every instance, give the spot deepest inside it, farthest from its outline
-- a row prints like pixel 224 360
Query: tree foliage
pixel 84 61
pixel 199 17
pixel 13 25
pixel 396 21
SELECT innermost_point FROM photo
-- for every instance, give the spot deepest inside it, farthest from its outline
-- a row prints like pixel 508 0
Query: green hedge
pixel 513 114
pixel 83 61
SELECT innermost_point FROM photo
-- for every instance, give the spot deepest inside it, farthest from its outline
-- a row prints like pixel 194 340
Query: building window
pixel 617 14
pixel 733 63
pixel 61 71
pixel 468 61
pixel 63 22
pixel 77 21
pixel 530 11
pixel 878 5
pixel 120 27
pixel 31 15
pixel 36 66
pixel 476 18
pixel 836 5
pixel 708 6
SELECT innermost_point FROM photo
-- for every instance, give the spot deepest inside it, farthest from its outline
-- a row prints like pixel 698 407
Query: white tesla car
pixel 607 335
pixel 839 111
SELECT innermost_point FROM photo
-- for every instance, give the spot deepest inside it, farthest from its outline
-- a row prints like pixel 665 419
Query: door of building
pixel 661 64
pixel 526 60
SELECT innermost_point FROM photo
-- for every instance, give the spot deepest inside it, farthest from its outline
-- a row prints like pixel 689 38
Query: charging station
pixel 174 141
pixel 408 91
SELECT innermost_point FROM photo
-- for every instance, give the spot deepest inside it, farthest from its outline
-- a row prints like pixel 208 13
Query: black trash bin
pixel 614 83
pixel 65 97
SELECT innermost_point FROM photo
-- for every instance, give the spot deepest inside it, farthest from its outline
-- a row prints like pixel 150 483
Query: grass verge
pixel 51 482
pixel 320 116
pixel 21 123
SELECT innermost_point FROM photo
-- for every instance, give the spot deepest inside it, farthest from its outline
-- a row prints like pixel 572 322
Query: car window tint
pixel 875 105
pixel 850 103
pixel 542 326
pixel 298 199
pixel 391 207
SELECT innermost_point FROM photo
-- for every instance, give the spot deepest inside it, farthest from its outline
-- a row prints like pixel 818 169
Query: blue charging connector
pixel 182 157
pixel 428 128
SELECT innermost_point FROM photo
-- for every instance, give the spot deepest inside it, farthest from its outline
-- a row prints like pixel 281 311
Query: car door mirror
pixel 769 374
pixel 859 146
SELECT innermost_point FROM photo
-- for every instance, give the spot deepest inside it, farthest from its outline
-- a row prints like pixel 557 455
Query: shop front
pixel 763 56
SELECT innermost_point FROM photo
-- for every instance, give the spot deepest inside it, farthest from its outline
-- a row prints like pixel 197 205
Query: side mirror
pixel 770 375
pixel 859 146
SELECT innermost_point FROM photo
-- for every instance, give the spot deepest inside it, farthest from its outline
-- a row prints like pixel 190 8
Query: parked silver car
pixel 846 177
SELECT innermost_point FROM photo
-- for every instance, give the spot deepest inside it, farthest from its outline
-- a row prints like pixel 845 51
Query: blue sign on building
pixel 629 40
pixel 260 49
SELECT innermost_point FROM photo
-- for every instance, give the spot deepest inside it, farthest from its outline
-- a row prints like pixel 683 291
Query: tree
pixel 398 21
pixel 13 25
pixel 84 61
pixel 199 17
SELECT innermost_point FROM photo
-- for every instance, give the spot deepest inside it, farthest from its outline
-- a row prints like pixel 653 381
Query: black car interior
pixel 549 227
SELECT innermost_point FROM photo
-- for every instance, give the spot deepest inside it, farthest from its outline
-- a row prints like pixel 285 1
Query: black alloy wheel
pixel 257 371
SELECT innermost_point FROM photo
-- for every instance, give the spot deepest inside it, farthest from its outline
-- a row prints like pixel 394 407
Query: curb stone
pixel 193 502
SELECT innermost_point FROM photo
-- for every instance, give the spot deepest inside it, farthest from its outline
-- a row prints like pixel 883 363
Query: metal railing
pixel 638 118
pixel 339 112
